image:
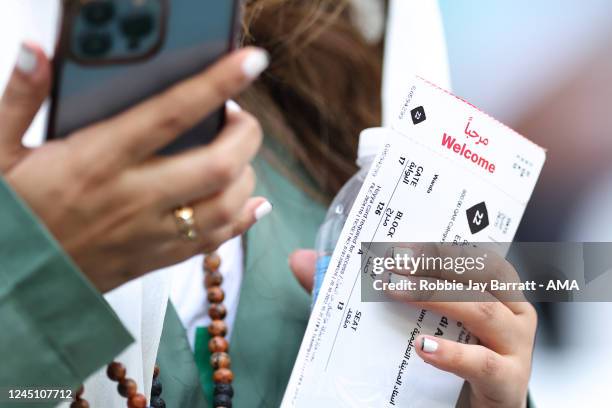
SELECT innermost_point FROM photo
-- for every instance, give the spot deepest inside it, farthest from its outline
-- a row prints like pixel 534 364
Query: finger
pixel 223 208
pixel 424 289
pixel 205 171
pixel 218 210
pixel 177 250
pixel 484 262
pixel 25 92
pixel 484 266
pixel 480 366
pixel 151 125
pixel 302 263
pixel 489 320
pixel 254 211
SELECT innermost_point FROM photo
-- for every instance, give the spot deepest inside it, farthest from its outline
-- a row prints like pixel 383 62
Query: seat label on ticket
pixel 446 173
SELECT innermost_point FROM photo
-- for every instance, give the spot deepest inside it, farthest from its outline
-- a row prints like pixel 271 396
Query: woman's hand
pixel 104 194
pixel 497 370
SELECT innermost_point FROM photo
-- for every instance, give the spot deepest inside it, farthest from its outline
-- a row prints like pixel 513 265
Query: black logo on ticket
pixel 478 217
pixel 418 115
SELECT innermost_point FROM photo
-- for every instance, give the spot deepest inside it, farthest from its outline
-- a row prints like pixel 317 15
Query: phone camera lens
pixel 95 44
pixel 98 12
pixel 135 27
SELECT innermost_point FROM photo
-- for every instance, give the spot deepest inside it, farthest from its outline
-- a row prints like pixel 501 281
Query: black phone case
pixel 87 89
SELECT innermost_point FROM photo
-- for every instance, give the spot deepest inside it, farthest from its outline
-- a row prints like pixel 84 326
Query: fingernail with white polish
pixel 429 345
pixel 26 59
pixel 255 63
pixel 232 106
pixel 264 209
pixel 403 251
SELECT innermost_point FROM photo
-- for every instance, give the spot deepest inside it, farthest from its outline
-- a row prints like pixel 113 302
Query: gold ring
pixel 185 222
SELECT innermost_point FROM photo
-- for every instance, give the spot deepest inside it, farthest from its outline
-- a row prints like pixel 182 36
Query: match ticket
pixel 446 173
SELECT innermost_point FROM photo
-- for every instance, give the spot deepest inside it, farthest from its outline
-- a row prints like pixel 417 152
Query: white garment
pixel 415 45
pixel 140 298
pixel 369 17
pixel 141 306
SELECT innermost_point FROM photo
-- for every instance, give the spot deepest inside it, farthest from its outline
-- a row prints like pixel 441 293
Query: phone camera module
pixel 135 27
pixel 95 44
pixel 116 31
pixel 98 13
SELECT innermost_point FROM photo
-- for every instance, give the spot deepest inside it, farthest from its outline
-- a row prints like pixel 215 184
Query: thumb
pixel 302 262
pixel 24 94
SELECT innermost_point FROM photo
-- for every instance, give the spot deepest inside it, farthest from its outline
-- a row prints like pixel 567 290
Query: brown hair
pixel 323 85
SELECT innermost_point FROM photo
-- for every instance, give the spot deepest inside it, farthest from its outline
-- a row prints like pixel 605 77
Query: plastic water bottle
pixel 370 141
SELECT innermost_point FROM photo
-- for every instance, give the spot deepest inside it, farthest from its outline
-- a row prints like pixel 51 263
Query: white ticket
pixel 447 173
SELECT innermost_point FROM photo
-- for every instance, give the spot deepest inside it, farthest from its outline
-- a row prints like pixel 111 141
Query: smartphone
pixel 113 54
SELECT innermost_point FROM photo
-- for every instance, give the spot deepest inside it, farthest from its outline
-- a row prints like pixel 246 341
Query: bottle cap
pixel 370 142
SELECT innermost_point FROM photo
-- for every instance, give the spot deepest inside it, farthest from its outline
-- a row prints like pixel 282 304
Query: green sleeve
pixel 56 328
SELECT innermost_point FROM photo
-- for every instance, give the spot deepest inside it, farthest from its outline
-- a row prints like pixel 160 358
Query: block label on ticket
pixel 446 173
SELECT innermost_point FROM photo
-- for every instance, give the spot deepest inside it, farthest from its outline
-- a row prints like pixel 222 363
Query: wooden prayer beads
pixel 218 345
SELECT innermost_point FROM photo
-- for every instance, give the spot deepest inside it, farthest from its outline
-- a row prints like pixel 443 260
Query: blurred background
pixel 545 68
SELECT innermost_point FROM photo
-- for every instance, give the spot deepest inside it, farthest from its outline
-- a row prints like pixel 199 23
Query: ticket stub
pixel 447 173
